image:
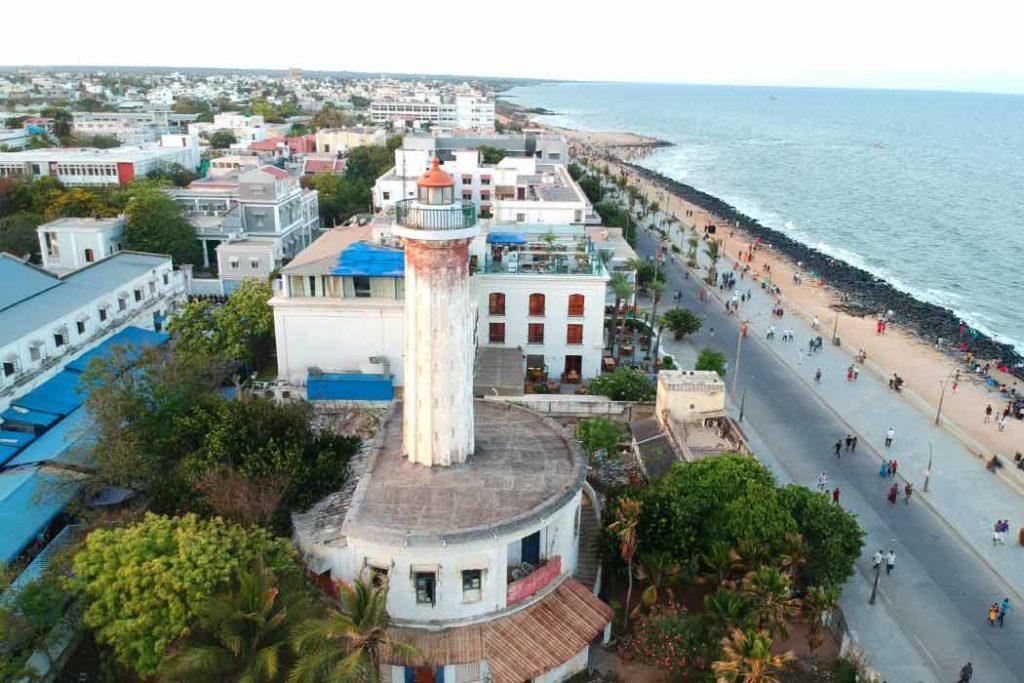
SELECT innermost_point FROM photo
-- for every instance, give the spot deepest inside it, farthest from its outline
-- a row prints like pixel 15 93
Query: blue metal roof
pixel 132 339
pixel 31 418
pixel 506 238
pixel 60 394
pixel 66 442
pixel 340 386
pixel 40 563
pixel 371 261
pixel 21 281
pixel 9 437
pixel 29 500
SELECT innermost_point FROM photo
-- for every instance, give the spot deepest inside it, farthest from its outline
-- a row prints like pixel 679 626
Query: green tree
pixel 346 646
pixel 222 139
pixel 625 384
pixel 102 142
pixel 661 573
pixel 625 530
pixel 79 202
pixel 155 223
pixel 622 288
pixel 359 102
pixel 331 116
pixel 771 599
pixel 598 434
pixel 575 171
pixel 145 584
pixel 591 187
pixel 242 330
pixel 491 155
pixel 711 360
pixel 747 658
pixel 725 610
pixel 244 634
pixel 832 535
pixel 682 322
pixel 818 604
pixel 62 122
pixel 18 234
pixel 298 130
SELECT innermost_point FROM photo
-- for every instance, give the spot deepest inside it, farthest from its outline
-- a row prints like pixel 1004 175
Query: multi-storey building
pixel 81 166
pixel 466 112
pixel 47 319
pixel 68 244
pixel 246 129
pixel 131 128
pixel 337 141
pixel 264 208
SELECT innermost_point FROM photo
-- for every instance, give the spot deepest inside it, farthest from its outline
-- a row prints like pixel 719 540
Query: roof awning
pixel 506 238
pixel 517 647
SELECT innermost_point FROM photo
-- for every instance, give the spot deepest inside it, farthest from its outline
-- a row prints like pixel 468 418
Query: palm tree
pixel 718 562
pixel 713 251
pixel 244 633
pixel 794 554
pixel 657 287
pixel 627 518
pixel 819 603
pixel 691 255
pixel 661 572
pixel 773 602
pixel 725 610
pixel 345 646
pixel 622 289
pixel 747 658
pixel 749 555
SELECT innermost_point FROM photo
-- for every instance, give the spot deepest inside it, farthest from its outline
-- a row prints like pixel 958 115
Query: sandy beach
pixel 924 368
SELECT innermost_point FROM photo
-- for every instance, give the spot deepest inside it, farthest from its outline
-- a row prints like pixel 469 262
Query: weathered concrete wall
pixel 439 315
pixel 570 405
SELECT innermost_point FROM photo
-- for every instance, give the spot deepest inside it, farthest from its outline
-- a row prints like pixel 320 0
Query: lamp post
pixel 835 327
pixel 942 395
pixel 743 403
pixel 739 348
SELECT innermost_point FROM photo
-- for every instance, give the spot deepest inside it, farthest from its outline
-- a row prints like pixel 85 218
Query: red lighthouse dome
pixel 435 186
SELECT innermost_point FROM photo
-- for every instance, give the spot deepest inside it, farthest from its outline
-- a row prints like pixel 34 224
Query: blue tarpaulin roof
pixel 133 339
pixel 29 500
pixel 17 439
pixel 8 452
pixel 371 261
pixel 60 394
pixel 506 238
pixel 66 442
pixel 340 386
pixel 32 418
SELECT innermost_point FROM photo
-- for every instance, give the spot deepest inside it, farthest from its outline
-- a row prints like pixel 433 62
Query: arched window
pixel 576 305
pixel 496 305
pixel 536 304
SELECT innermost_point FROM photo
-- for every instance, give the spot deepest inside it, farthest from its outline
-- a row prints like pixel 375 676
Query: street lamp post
pixel 942 395
pixel 739 348
pixel 743 402
pixel 835 327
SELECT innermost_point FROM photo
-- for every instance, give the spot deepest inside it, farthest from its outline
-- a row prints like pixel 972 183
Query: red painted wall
pixel 525 587
pixel 125 172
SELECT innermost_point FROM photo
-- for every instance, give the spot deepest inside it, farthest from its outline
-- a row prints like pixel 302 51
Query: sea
pixel 923 189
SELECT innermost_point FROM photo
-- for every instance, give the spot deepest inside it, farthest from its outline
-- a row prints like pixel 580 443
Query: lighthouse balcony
pixel 412 214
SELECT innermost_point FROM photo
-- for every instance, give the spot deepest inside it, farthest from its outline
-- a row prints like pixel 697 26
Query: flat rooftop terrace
pixel 525 466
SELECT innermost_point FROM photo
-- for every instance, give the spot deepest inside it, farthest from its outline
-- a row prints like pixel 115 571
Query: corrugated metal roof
pixel 38 307
pixel 41 562
pixel 21 281
pixel 60 394
pixel 30 498
pixel 363 259
pixel 132 339
pixel 29 418
pixel 66 442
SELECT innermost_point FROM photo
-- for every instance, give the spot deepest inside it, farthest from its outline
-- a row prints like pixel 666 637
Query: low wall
pixel 571 405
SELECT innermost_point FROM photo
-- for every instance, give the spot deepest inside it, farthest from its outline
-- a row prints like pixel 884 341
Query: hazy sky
pixel 870 43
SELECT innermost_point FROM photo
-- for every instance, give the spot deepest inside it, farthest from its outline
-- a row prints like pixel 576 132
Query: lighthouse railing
pixel 411 214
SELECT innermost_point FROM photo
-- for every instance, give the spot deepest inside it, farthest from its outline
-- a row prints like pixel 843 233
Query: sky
pixel 870 43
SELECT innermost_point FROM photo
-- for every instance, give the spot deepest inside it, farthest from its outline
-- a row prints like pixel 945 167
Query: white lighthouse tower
pixel 439 322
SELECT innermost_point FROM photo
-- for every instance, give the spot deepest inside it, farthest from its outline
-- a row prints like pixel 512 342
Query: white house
pixel 246 129
pixel 83 166
pixel 68 244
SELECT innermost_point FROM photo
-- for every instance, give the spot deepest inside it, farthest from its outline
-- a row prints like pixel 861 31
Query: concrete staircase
pixel 588 567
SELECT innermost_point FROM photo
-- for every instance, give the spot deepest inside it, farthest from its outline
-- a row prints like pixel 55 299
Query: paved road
pixel 937 596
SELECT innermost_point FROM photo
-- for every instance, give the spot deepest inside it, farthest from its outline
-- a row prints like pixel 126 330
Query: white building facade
pixel 85 167
pixel 68 244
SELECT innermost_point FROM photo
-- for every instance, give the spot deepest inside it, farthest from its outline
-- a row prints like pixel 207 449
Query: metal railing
pixel 410 214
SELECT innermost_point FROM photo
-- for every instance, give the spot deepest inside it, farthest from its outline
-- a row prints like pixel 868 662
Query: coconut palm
pixel 624 528
pixel 244 633
pixel 773 601
pixel 818 604
pixel 691 255
pixel 747 658
pixel 661 572
pixel 345 646
pixel 712 249
pixel 622 289
pixel 657 287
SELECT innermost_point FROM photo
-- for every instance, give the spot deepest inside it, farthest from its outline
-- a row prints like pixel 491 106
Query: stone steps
pixel 589 560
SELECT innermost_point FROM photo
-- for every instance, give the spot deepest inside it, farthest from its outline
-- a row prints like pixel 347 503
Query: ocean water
pixel 923 189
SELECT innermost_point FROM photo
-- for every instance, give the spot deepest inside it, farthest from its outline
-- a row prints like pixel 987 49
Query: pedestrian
pixel 835 496
pixel 1002 422
pixel 997 532
pixel 883 470
pixel 876 560
pixel 889 436
pixel 849 442
pixel 856 374
pixel 988 413
pixel 839 448
pixel 895 466
pixel 849 374
pixel 814 323
pixel 890 561
pixel 908 490
pixel 894 492
pixel 822 481
pixel 966 673
pixel 853 444
pixel 1004 609
pixel 993 613
pixel 817 375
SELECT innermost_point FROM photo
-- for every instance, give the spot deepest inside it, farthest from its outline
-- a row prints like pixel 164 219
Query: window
pixel 80 325
pixel 138 295
pixel 536 304
pixel 378 575
pixel 576 302
pixel 58 339
pixel 122 302
pixel 485 180
pixel 535 333
pixel 574 334
pixel 152 288
pixel 472 580
pixel 496 304
pixel 103 314
pixel 467 196
pixel 362 285
pixel 167 278
pixel 496 333
pixel 9 368
pixel 425 583
pixel 35 351
pixel 89 257
pixel 520 218
pixel 312 284
pixel 233 263
pixel 467 180
pixel 254 263
pixel 386 195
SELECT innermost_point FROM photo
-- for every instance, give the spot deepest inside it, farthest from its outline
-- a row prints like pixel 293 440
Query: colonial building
pixel 82 166
pixel 68 244
pixel 471 512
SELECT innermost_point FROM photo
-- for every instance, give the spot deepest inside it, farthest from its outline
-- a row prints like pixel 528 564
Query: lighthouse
pixel 439 322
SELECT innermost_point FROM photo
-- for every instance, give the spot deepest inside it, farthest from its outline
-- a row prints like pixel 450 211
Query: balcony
pixel 408 214
pixel 533 582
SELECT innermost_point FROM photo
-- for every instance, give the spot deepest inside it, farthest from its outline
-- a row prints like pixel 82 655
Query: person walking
pixel 993 613
pixel 894 492
pixel 997 532
pixel 889 435
pixel 817 375
pixel 848 441
pixel 1002 422
pixel 894 466
pixel 822 481
pixel 853 444
pixel 838 448
pixel 988 413
pixel 908 491
pixel 890 561
pixel 876 560
pixel 835 496
pixel 1004 609
pixel 966 673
